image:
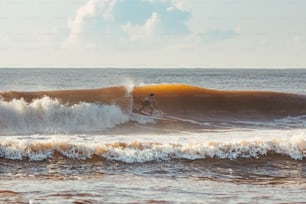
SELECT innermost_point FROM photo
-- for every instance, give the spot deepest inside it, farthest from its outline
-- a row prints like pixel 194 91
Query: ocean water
pixel 216 136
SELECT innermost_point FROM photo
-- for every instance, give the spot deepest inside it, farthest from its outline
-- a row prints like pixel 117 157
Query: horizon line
pixel 136 67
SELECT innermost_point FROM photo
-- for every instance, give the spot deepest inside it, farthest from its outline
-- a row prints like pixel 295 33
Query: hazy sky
pixel 153 33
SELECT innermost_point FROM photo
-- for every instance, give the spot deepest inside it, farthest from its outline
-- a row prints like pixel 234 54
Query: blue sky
pixel 153 33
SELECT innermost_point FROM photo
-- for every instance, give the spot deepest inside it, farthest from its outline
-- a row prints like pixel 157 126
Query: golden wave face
pixel 182 100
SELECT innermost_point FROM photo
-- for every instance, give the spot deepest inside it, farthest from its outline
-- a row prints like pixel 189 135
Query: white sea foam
pixel 145 151
pixel 48 115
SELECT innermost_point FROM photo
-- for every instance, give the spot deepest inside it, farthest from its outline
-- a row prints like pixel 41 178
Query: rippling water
pixel 93 153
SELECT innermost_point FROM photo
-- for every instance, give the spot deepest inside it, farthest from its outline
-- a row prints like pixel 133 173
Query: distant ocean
pixel 215 136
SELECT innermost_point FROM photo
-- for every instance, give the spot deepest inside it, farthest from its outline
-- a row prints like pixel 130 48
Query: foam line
pixel 142 151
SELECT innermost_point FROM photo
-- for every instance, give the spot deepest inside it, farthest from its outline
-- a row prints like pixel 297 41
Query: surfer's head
pixel 152 94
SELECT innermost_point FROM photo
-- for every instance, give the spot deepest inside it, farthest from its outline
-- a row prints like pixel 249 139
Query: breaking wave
pixel 178 106
pixel 46 115
pixel 138 152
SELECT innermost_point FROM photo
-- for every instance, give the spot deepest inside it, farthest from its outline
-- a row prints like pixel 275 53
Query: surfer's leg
pixel 143 109
pixel 151 109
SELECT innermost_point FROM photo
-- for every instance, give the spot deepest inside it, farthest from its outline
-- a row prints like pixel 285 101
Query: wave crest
pixel 139 152
pixel 46 115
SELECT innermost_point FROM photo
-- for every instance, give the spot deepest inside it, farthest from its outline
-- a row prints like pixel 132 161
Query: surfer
pixel 147 103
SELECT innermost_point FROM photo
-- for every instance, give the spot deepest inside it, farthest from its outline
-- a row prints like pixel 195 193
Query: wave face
pixel 46 115
pixel 177 106
pixel 190 101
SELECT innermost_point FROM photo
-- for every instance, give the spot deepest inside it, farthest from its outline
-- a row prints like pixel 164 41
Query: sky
pixel 153 33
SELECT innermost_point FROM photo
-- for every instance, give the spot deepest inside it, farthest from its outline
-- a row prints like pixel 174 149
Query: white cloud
pixel 85 11
pixel 76 24
pixel 103 21
pixel 108 13
pixel 177 5
pixel 136 32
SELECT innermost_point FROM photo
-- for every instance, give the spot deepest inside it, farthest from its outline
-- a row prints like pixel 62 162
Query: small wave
pixel 139 152
pixel 289 122
pixel 48 115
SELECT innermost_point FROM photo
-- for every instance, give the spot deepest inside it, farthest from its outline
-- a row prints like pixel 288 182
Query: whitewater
pixel 214 136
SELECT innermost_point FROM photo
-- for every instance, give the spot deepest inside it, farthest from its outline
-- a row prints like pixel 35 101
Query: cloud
pixel 170 22
pixel 177 5
pixel 86 11
pixel 141 32
pixel 99 21
pixel 108 12
pixel 76 24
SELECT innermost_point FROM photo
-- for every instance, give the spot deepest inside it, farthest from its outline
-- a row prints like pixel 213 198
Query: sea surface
pixel 216 136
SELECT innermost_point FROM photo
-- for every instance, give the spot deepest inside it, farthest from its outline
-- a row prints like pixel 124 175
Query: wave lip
pixel 140 152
